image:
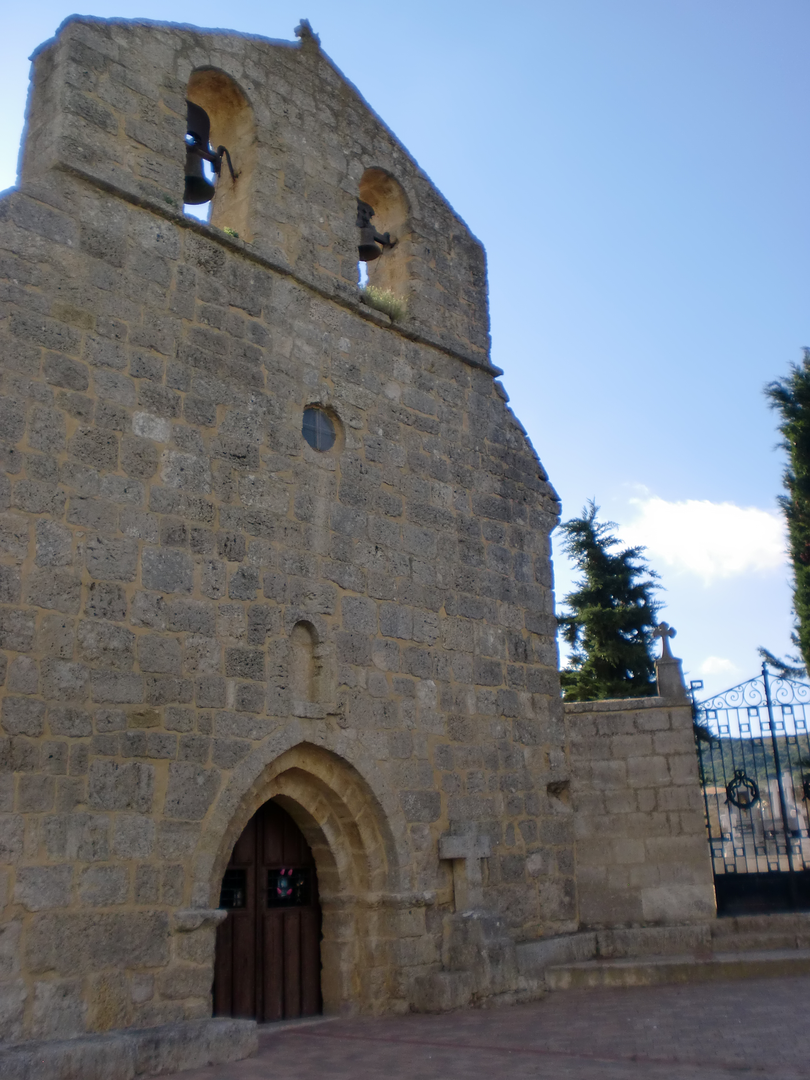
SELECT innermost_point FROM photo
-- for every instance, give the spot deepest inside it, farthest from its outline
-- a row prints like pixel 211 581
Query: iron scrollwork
pixel 742 791
pixel 751 694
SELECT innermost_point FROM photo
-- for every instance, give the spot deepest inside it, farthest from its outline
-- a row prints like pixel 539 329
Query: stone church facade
pixel 201 612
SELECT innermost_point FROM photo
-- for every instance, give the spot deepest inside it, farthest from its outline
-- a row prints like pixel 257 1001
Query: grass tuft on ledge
pixel 384 300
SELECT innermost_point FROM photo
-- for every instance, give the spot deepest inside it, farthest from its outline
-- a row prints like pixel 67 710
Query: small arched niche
pixel 232 126
pixel 385 194
pixel 305 665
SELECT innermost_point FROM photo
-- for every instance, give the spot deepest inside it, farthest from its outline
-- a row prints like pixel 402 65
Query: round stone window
pixel 318 429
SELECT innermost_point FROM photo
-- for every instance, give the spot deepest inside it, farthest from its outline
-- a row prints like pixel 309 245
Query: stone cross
pixel 307 35
pixel 466 853
pixel 665 632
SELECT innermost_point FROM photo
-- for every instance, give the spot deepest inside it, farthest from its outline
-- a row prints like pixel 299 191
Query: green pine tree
pixel 611 615
pixel 790 397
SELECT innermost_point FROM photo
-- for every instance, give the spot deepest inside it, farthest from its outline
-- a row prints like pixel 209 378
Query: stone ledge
pixel 344 296
pixel 130 1053
pixel 620 943
pixel 624 704
pixel 191 919
pixel 657 971
pixel 374 900
pixel 533 957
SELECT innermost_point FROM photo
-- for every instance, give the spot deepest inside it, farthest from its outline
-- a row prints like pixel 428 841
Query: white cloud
pixel 718 665
pixel 711 540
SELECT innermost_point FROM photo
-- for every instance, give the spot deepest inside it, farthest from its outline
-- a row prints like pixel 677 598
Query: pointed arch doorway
pixel 268 957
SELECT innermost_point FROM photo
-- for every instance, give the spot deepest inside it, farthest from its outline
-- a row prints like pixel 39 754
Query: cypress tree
pixel 790 397
pixel 611 614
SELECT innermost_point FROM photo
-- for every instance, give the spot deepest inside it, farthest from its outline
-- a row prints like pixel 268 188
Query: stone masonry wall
pixel 642 857
pixel 108 102
pixel 164 527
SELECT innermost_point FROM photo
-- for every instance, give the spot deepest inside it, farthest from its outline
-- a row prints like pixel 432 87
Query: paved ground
pixel 757 1029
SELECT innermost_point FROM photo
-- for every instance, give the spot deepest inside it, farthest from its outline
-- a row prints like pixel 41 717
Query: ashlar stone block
pixel 39 888
pixel 128 786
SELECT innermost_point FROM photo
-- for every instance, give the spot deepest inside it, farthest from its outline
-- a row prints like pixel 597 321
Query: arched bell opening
pixel 231 122
pixel 353 857
pixel 384 265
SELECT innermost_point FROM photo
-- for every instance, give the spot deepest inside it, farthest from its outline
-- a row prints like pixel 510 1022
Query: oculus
pixel 318 429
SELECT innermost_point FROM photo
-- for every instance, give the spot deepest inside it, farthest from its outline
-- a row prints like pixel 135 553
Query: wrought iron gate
pixel 754 752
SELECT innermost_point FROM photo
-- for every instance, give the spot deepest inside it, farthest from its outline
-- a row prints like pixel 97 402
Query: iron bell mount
pixel 368 249
pixel 198 149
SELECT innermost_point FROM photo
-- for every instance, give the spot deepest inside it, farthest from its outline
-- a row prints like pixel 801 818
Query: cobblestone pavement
pixel 753 1029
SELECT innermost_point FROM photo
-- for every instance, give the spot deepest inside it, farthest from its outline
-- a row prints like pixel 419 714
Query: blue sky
pixel 637 170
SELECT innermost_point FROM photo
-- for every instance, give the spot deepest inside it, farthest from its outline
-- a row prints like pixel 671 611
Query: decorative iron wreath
pixel 735 788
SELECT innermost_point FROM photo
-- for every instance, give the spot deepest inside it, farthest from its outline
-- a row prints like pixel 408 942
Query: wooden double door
pixel 268 954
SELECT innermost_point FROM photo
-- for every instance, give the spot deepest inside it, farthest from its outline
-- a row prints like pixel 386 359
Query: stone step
pixel 751 933
pixel 654 941
pixel 797 922
pixel 764 942
pixel 652 971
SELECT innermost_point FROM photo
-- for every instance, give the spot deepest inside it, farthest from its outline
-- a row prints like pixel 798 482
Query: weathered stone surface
pixel 14 532
pixel 637 861
pixel 167 571
pixel 159 653
pixel 54 544
pixel 12 828
pixel 10 585
pixel 59 1009
pixel 78 942
pixel 13 994
pixel 17 629
pixel 121 787
pixel 200 611
pixel 102 886
pixel 77 836
pixel 113 560
pixel 63 680
pixel 23 716
pixel 23 675
pixel 117 688
pixel 41 887
pixel 56 589
pixel 125 1055
pixel 191 791
pixel 106 644
pixel 10 939
pixel 134 836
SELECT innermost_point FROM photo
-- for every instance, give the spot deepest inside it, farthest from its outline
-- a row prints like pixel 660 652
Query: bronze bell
pixel 370 240
pixel 198 131
pixel 198 189
pixel 367 249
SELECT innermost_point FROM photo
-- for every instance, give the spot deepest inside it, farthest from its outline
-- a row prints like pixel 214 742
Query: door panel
pixel 268 964
pixel 292 963
pixel 274 961
pixel 310 961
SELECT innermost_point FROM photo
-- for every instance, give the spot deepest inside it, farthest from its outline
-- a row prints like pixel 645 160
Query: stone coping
pixel 608 705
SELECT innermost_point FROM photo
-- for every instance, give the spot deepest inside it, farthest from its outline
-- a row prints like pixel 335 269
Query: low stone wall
pixel 128 1055
pixel 642 857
